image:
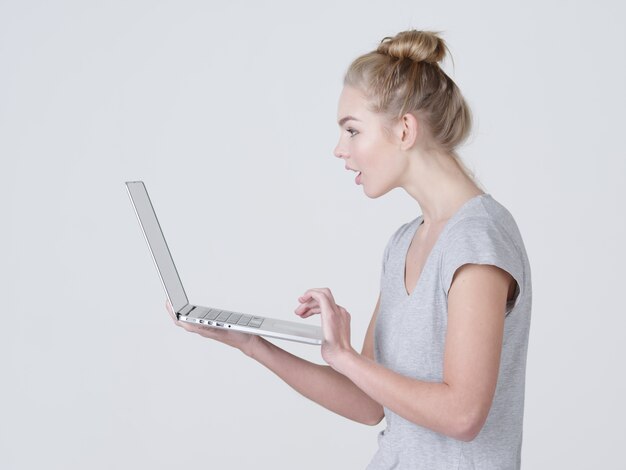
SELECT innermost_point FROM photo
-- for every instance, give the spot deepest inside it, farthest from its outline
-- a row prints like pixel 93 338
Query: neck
pixel 438 184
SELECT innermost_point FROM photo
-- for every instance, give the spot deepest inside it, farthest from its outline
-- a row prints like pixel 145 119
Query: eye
pixel 350 130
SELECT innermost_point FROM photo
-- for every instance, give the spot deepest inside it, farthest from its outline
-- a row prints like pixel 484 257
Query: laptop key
pixel 244 320
pixel 195 313
pixel 213 313
pixel 224 315
pixel 234 318
pixel 256 322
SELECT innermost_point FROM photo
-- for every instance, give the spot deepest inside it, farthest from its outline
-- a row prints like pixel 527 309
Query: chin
pixel 374 193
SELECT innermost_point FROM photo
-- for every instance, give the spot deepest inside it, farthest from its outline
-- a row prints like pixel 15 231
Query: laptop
pixel 212 317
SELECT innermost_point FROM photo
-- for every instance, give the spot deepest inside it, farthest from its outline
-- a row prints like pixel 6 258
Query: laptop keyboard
pixel 220 317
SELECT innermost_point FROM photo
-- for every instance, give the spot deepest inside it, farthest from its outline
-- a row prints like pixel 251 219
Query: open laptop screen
pixel 158 246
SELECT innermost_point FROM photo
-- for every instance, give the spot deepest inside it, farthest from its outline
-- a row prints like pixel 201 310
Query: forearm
pixel 434 405
pixel 319 383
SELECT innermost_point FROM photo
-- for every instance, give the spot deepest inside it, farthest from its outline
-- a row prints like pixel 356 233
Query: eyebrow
pixel 347 118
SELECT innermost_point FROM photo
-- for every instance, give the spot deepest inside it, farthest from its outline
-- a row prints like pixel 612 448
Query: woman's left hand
pixel 335 323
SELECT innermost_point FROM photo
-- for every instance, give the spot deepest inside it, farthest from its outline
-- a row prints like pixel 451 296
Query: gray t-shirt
pixel 410 338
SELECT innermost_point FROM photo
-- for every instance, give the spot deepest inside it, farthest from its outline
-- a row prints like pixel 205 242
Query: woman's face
pixel 365 147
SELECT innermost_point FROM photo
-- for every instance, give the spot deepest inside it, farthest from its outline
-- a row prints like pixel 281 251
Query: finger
pixel 192 328
pixel 322 298
pixel 311 311
pixel 323 290
pixel 329 294
pixel 302 308
pixel 308 299
pixel 308 302
pixel 171 313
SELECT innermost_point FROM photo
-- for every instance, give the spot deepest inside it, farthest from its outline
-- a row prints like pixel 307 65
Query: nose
pixel 339 152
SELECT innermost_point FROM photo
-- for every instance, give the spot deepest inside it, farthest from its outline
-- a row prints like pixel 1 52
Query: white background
pixel 228 113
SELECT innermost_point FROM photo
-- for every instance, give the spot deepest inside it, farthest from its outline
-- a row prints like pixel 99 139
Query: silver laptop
pixel 213 317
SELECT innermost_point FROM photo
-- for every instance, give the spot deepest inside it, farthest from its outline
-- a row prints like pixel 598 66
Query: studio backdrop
pixel 228 113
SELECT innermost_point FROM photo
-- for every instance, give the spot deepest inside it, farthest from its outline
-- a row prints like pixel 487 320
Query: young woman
pixel 444 357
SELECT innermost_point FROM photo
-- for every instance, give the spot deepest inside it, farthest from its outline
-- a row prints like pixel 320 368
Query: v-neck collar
pixel 411 235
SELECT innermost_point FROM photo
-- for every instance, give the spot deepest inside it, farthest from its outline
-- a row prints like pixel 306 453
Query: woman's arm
pixel 457 406
pixel 319 383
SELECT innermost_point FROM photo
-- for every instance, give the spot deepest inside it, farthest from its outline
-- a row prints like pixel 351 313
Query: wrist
pixel 345 360
pixel 252 346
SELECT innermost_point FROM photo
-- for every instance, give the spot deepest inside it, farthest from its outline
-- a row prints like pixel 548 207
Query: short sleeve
pixel 480 240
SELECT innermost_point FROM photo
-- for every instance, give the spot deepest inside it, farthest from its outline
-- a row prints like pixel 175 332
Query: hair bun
pixel 420 46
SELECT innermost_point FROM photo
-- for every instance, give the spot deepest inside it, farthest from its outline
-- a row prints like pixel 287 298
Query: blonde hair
pixel 402 76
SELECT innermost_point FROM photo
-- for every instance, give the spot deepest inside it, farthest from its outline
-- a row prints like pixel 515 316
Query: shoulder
pixel 485 223
pixel 487 235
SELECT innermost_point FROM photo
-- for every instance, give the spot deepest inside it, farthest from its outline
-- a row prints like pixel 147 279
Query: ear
pixel 408 131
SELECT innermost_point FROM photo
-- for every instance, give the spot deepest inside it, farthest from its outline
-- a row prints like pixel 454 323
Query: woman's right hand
pixel 242 341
